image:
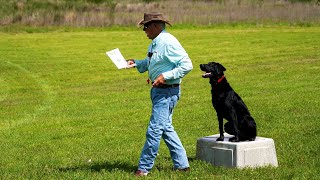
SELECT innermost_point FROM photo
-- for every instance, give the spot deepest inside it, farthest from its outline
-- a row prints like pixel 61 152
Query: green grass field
pixel 66 112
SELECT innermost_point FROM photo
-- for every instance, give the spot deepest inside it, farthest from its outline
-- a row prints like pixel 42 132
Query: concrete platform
pixel 260 152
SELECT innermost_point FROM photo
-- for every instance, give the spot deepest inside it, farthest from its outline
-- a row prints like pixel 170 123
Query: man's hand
pixel 159 81
pixel 131 63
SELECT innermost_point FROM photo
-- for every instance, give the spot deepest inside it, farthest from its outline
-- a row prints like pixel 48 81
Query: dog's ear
pixel 221 68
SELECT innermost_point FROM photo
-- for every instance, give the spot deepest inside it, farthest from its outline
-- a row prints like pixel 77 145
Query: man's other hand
pixel 159 81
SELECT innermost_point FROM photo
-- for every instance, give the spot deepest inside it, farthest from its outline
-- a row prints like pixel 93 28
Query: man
pixel 167 63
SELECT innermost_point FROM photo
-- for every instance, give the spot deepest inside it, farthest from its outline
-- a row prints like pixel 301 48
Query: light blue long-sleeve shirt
pixel 168 58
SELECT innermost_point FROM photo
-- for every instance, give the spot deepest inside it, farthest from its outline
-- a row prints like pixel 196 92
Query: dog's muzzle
pixel 207 75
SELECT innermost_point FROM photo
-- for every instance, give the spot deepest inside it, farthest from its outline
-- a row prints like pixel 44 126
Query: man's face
pixel 152 30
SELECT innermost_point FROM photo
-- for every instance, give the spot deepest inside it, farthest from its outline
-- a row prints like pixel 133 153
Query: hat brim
pixel 142 22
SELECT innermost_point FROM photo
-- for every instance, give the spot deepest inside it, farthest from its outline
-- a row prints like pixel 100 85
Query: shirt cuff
pixel 167 75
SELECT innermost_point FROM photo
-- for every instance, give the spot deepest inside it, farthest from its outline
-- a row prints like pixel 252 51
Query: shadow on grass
pixel 97 167
pixel 108 166
pixel 190 159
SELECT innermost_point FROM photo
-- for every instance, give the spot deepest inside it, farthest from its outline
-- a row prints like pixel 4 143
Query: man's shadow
pixel 97 167
pixel 108 166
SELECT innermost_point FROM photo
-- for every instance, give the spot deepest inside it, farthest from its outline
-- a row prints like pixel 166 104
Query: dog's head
pixel 212 70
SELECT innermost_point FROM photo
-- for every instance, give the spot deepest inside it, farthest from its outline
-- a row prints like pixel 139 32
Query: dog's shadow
pixel 107 166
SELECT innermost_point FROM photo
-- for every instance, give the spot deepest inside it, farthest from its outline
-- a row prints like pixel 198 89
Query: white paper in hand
pixel 117 58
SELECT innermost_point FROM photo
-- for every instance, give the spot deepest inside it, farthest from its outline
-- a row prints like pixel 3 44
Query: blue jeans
pixel 163 102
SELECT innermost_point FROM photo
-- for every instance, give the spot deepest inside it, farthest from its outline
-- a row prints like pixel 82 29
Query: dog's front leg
pixel 235 128
pixel 220 119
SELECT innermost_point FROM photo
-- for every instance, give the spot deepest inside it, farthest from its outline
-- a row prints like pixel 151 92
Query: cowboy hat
pixel 148 17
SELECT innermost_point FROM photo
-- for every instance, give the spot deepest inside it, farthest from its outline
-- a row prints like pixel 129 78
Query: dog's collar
pixel 220 79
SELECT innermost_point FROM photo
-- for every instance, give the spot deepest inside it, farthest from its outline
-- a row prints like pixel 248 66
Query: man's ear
pixel 158 26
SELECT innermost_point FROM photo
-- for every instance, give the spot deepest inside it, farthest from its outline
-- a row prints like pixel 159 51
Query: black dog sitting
pixel 229 106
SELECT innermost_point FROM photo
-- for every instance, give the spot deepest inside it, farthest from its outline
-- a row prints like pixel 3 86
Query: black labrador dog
pixel 229 106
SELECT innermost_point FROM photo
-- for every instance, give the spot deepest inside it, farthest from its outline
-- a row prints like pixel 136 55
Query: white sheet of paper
pixel 117 58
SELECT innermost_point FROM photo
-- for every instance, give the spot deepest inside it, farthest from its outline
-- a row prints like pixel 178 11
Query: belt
pixel 167 85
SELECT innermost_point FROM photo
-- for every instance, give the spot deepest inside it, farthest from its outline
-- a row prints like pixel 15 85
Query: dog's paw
pixel 252 139
pixel 234 139
pixel 220 139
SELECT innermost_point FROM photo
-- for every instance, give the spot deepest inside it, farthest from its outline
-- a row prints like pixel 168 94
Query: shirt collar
pixel 157 39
